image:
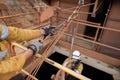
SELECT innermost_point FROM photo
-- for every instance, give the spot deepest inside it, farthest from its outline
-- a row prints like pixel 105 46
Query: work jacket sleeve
pixel 18 34
pixel 13 64
pixel 80 68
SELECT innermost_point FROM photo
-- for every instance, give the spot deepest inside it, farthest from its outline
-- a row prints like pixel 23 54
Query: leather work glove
pixel 49 31
pixel 36 47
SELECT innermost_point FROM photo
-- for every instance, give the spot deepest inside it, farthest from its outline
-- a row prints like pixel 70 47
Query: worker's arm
pixel 14 63
pixel 17 34
pixel 80 68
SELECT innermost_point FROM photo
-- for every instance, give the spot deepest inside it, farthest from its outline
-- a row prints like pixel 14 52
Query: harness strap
pixel 5 32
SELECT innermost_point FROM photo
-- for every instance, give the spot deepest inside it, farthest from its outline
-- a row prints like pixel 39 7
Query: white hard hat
pixel 76 55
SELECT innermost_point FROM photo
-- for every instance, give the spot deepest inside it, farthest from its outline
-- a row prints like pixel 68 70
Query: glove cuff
pixel 33 48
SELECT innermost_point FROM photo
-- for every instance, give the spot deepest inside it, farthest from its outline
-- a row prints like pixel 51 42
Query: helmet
pixel 76 55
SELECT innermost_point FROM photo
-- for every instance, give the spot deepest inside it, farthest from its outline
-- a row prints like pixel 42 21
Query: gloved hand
pixel 36 47
pixel 49 30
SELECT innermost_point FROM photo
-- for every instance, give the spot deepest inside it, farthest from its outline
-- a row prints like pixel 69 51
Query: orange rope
pixel 57 37
pixel 55 40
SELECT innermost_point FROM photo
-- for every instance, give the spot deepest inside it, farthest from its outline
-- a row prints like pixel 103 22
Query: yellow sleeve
pixel 80 68
pixel 18 34
pixel 13 64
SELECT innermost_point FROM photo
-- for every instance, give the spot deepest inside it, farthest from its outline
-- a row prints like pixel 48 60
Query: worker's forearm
pixel 28 53
pixel 17 34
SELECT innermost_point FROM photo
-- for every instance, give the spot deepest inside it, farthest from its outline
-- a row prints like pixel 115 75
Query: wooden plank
pixel 53 63
pixel 99 56
pixel 100 65
pixel 16 15
pixel 47 14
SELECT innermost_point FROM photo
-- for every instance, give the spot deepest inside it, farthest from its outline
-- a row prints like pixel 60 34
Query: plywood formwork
pixel 112 38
